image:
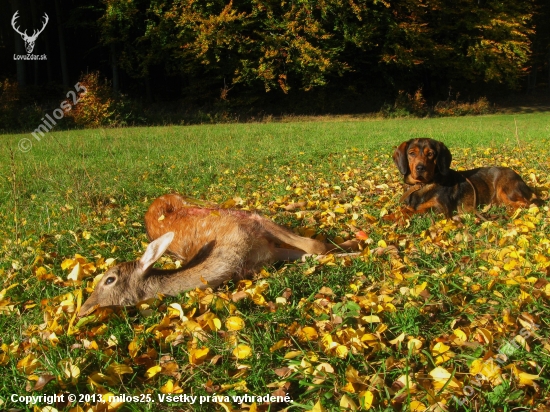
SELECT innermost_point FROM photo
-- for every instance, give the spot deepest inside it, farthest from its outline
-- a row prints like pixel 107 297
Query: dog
pixel 425 164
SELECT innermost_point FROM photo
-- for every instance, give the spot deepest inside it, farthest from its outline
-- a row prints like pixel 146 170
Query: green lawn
pixel 399 331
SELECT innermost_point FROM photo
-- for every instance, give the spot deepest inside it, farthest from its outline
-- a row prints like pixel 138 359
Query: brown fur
pixel 426 163
pixel 214 244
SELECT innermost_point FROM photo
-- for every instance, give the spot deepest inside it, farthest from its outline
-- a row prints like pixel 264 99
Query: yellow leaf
pixel 381 328
pixel 215 324
pixel 318 407
pixel 115 402
pixel 310 270
pixel 28 364
pixel 293 354
pixel 324 368
pixel 370 339
pixel 4 358
pixel 488 368
pixel 97 380
pixel 338 240
pixel 418 289
pixel 441 353
pixel 397 340
pixel 258 299
pixel 152 371
pixel 242 351
pixel 308 334
pixel 414 345
pixel 198 356
pixel 524 377
pixel 133 348
pixel 280 301
pixel 70 370
pixel 441 378
pixel 486 335
pixel 280 344
pixel 348 387
pixel 76 273
pixel 341 351
pixel 234 323
pixel 67 263
pixel 439 348
pixel 226 406
pixel 522 342
pixel 440 374
pixel 370 319
pixel 170 387
pixel 118 369
pixel 347 403
pixel 416 406
pixel 175 310
pixel 365 399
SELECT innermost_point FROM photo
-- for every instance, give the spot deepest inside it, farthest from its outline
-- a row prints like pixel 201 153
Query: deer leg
pixel 280 234
pixel 281 254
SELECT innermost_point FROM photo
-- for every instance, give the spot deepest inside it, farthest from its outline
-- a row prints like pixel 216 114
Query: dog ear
pixel 444 158
pixel 400 158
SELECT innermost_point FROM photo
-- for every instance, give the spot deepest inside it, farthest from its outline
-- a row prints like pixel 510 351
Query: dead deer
pixel 214 244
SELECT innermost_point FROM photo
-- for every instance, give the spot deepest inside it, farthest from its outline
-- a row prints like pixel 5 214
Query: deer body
pixel 214 244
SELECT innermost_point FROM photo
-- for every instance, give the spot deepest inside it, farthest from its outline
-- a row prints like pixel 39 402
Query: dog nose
pixel 420 168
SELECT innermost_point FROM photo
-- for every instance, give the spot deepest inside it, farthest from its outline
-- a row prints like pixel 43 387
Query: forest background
pixel 194 61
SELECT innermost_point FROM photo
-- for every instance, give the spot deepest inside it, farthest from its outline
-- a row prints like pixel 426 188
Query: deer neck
pixel 167 281
pixel 209 268
pixel 172 282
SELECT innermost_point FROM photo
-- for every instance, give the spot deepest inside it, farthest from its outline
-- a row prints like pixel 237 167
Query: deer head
pixel 126 283
pixel 29 40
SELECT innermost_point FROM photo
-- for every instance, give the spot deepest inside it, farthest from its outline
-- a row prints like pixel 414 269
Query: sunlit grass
pixel 85 192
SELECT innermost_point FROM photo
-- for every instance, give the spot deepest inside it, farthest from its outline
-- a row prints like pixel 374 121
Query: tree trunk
pixel 534 70
pixel 148 91
pixel 19 48
pixel 35 23
pixel 49 70
pixel 62 52
pixel 116 85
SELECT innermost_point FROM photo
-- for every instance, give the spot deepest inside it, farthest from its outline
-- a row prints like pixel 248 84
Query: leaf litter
pixel 433 314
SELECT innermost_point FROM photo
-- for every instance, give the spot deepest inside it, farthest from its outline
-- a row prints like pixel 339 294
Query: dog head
pixel 419 160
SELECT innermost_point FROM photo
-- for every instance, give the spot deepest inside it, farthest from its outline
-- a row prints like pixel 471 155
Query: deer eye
pixel 110 280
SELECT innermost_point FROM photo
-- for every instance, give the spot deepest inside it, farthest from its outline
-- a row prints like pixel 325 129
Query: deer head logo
pixel 29 40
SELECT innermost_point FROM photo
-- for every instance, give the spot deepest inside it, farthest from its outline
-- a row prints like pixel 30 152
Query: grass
pixel 85 192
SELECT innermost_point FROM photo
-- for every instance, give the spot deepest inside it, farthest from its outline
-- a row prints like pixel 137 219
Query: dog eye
pixel 110 280
pixel 431 154
pixel 412 154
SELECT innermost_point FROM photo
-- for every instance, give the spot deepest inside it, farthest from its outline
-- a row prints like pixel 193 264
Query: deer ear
pixel 155 250
pixel 400 158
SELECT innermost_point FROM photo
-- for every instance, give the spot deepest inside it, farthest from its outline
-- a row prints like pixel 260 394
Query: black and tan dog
pixel 425 164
